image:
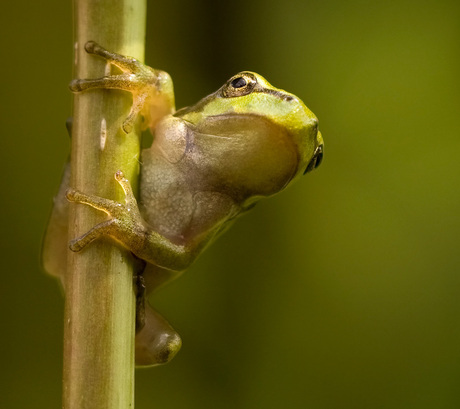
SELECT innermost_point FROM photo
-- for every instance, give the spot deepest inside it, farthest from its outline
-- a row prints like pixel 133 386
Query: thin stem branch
pixel 100 297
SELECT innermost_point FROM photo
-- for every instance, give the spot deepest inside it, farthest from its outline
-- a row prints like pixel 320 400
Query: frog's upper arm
pixel 55 242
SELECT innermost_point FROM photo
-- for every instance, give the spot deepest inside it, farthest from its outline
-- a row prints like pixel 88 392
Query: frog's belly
pixel 167 203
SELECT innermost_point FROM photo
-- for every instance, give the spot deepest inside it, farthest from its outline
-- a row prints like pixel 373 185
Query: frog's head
pixel 256 137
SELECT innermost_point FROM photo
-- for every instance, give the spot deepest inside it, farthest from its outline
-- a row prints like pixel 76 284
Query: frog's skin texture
pixel 207 165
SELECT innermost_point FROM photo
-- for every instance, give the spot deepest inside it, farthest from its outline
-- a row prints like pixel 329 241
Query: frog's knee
pixel 157 343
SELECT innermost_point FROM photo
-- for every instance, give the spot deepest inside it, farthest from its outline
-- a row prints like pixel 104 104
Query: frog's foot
pixel 157 342
pixel 125 224
pixel 143 82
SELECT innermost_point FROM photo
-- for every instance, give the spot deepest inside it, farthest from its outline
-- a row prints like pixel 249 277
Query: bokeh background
pixel 341 292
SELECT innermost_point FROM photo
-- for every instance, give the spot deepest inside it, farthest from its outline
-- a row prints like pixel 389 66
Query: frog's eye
pixel 316 160
pixel 239 85
pixel 239 82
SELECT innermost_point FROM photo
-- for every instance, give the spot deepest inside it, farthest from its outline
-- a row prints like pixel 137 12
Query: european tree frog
pixel 208 164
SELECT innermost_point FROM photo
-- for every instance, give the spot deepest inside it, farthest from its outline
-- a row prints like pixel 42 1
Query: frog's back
pixel 55 241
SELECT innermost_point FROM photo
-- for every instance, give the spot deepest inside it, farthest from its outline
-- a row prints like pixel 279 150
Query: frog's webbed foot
pixel 157 342
pixel 125 223
pixel 145 83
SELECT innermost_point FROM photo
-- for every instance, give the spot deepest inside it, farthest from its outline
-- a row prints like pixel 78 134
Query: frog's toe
pixel 106 205
pixel 75 85
pixel 104 228
pixel 91 47
pixel 127 126
pixel 157 343
pixel 76 196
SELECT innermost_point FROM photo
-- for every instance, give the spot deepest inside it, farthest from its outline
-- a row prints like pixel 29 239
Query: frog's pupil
pixel 238 82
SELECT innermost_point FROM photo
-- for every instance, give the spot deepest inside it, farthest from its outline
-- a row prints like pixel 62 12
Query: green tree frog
pixel 207 165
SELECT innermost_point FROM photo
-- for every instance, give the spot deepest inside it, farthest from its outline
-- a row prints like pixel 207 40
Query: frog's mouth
pixel 316 159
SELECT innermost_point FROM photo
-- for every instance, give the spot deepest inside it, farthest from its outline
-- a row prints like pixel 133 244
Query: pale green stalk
pixel 100 297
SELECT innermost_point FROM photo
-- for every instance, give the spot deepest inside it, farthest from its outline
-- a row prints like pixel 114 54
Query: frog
pixel 208 164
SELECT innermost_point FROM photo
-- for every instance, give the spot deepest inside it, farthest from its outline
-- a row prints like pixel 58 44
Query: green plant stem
pixel 100 297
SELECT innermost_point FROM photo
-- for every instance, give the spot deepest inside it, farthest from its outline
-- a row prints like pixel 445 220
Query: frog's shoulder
pixel 172 136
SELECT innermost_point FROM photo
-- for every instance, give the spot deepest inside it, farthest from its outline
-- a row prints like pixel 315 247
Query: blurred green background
pixel 341 292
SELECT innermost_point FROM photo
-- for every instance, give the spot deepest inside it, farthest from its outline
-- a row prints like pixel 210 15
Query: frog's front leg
pixel 152 89
pixel 127 227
